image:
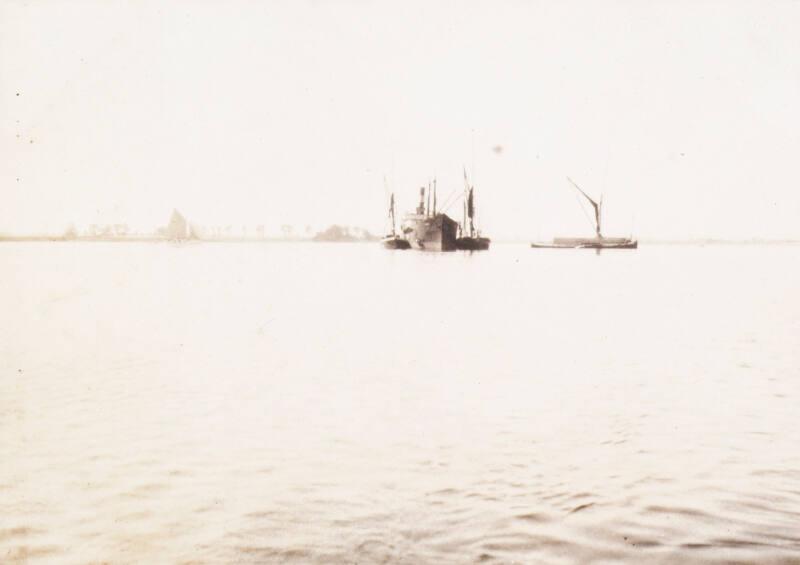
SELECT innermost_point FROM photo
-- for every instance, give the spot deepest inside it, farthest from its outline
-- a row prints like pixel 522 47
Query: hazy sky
pixel 685 115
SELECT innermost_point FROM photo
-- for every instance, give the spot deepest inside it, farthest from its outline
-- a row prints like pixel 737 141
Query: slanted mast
pixel 597 207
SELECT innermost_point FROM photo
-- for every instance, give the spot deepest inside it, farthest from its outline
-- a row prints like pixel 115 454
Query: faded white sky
pixel 685 115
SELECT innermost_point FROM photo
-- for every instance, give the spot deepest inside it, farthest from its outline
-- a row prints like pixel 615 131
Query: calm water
pixel 279 403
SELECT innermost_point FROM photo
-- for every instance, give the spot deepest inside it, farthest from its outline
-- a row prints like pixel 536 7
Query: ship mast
pixel 471 211
pixel 428 209
pixel 434 196
pixel 469 206
pixel 466 205
pixel 462 228
pixel 391 212
pixel 391 204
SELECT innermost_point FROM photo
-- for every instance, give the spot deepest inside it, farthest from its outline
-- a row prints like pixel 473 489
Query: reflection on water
pixel 341 403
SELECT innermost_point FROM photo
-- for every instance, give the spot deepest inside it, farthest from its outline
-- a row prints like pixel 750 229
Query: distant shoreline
pixel 159 239
pixel 719 241
pixel 145 239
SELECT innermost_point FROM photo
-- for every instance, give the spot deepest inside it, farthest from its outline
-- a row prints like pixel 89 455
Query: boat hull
pixel 473 243
pixel 395 242
pixel 588 243
pixel 430 233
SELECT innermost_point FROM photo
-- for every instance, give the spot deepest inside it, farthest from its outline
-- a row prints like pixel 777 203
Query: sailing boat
pixel 392 240
pixel 598 242
pixel 470 239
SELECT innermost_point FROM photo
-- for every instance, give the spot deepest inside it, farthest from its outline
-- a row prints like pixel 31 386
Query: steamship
pixel 428 230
